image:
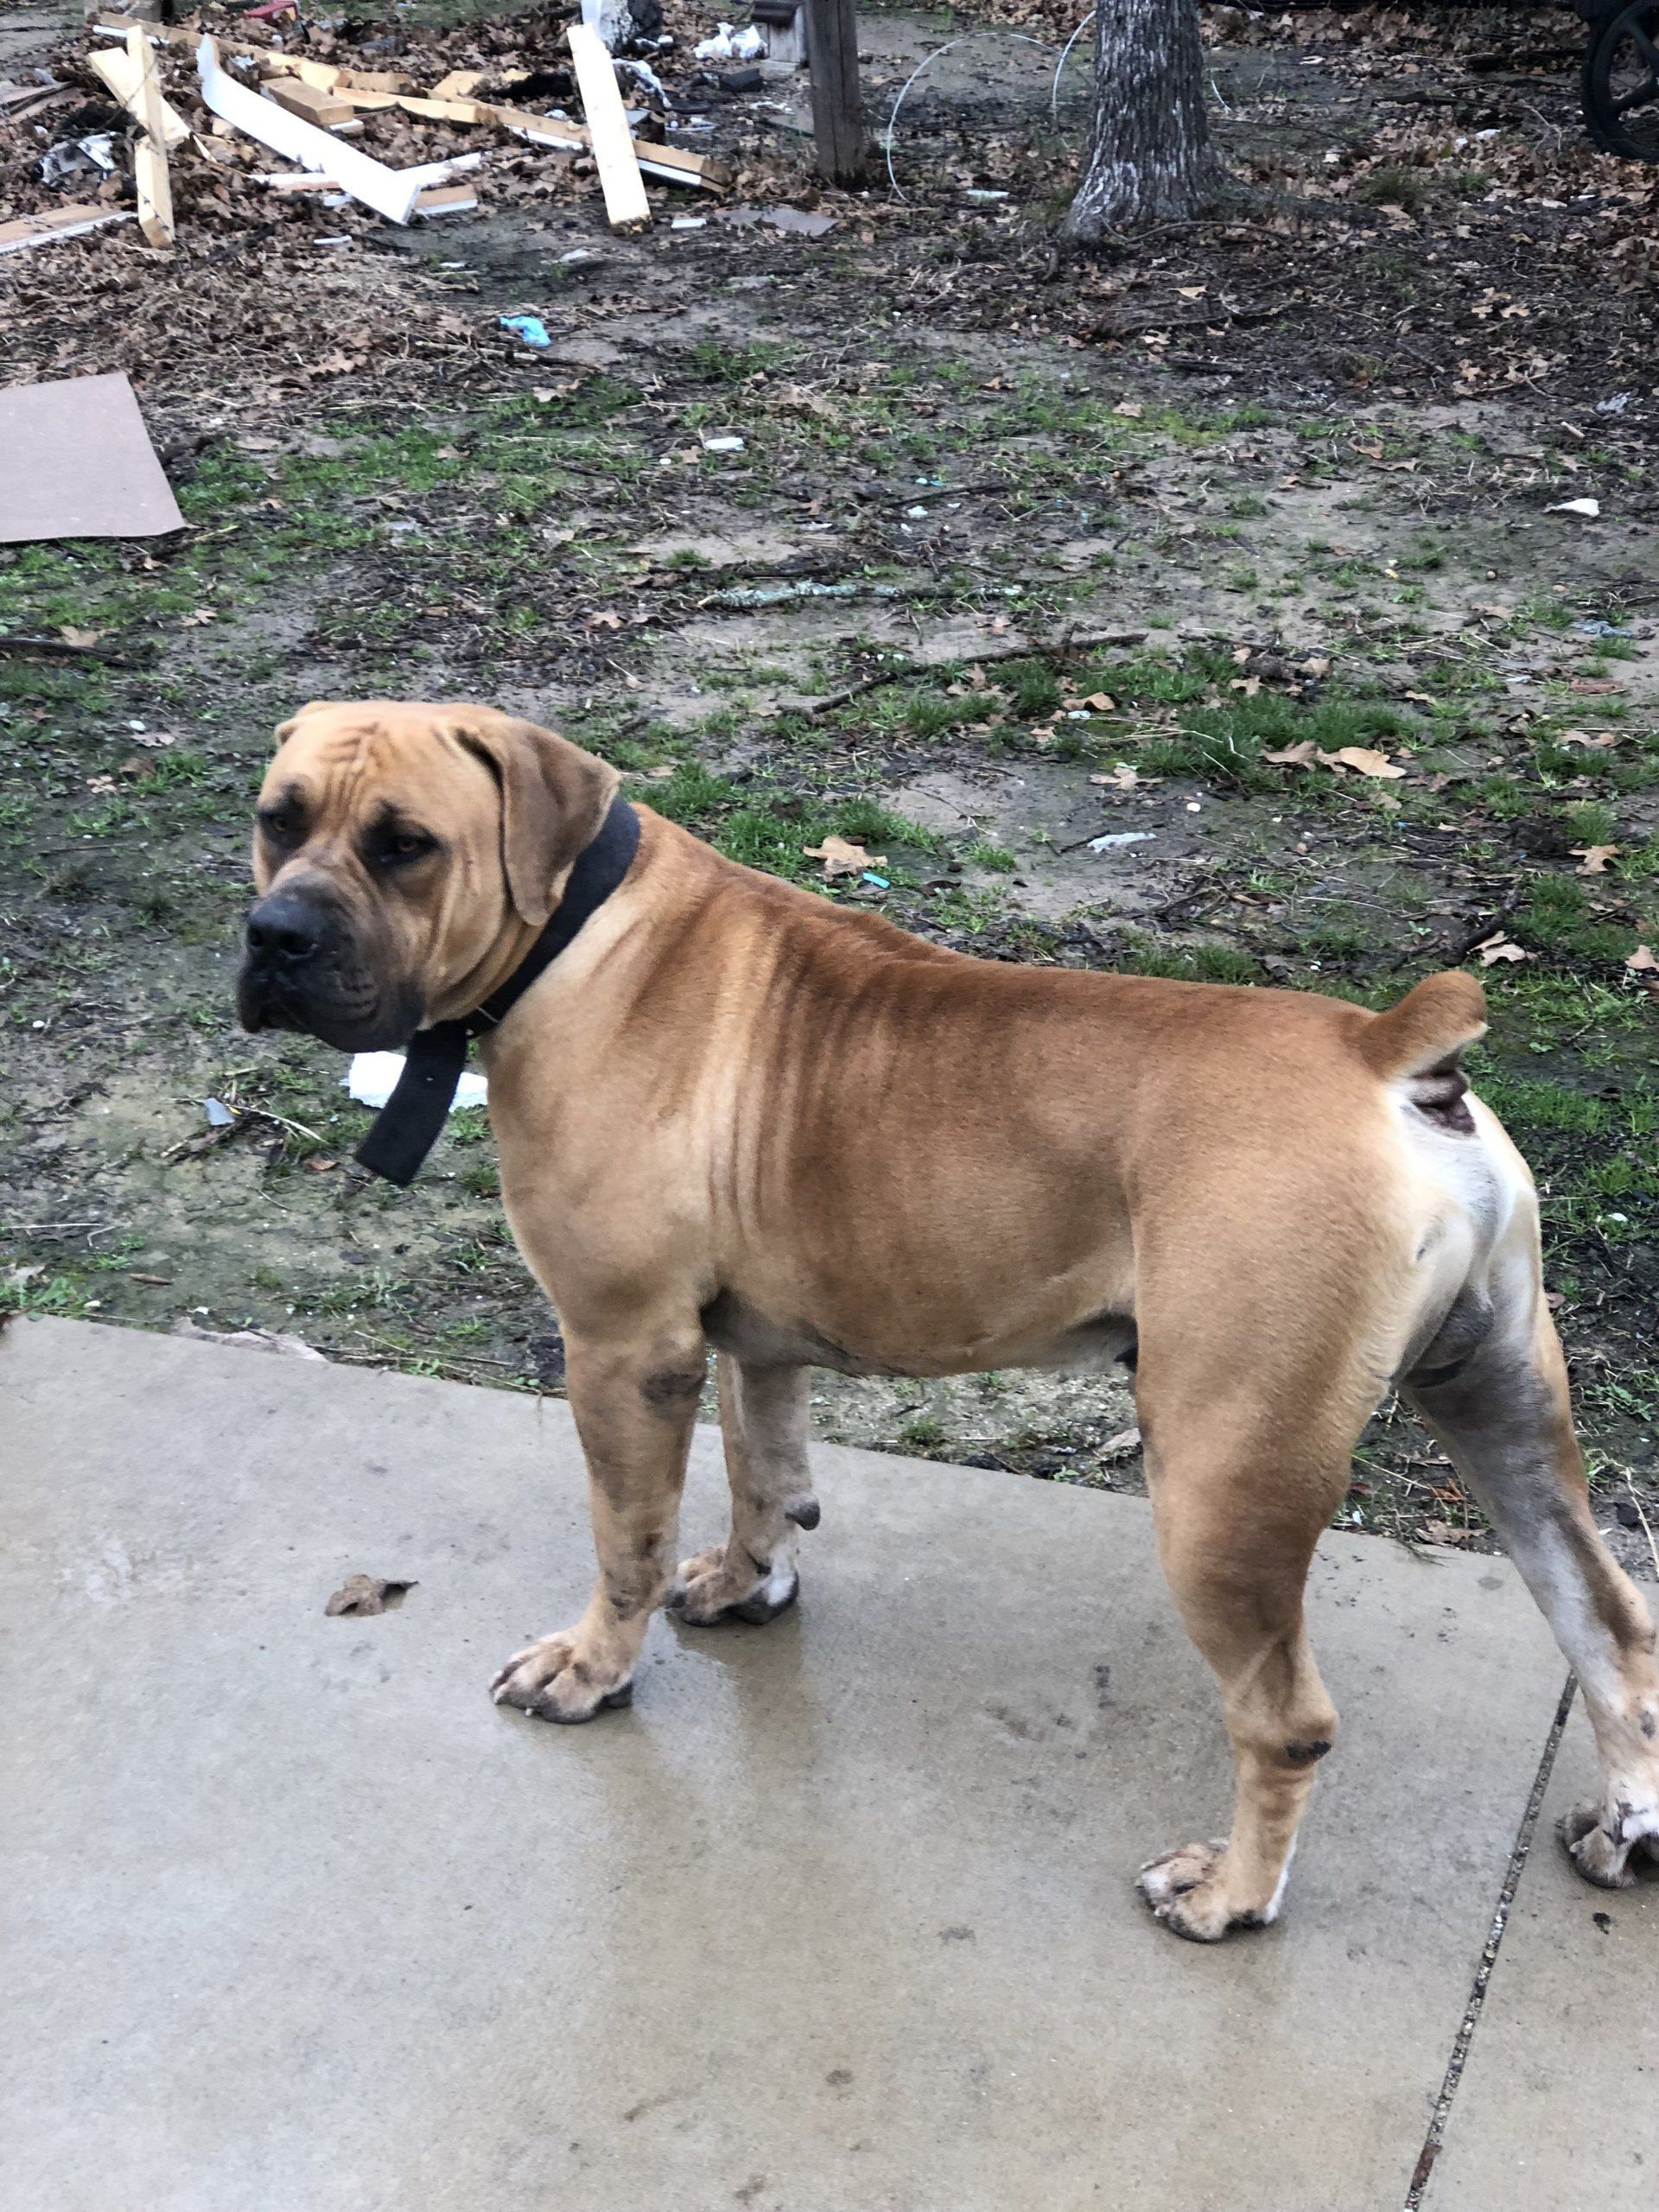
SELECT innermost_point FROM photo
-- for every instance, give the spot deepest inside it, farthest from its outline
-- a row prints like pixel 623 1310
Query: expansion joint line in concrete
pixel 1471 2010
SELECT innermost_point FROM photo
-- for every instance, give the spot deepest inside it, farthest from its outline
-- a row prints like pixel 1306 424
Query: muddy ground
pixel 1300 471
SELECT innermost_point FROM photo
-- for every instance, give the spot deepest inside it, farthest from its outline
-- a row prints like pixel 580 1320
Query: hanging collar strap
pixel 407 1126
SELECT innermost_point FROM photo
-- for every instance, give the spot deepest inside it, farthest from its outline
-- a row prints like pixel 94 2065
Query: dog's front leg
pixel 635 1402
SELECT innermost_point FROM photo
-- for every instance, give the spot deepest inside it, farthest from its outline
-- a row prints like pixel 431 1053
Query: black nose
pixel 284 929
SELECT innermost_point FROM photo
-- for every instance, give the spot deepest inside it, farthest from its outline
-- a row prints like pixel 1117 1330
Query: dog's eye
pixel 400 845
pixel 281 824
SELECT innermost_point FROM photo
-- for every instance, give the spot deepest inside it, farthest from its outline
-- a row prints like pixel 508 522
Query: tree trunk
pixel 1149 156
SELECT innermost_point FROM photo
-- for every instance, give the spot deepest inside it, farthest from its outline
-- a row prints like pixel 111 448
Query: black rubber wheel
pixel 1621 82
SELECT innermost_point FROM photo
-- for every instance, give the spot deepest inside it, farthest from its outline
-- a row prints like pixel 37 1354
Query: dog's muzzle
pixel 302 970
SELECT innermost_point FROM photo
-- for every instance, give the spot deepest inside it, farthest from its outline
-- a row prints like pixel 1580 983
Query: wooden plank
pixel 390 192
pixel 310 101
pixel 116 69
pixel 459 84
pixel 149 155
pixel 60 223
pixel 437 110
pixel 625 204
pixel 428 176
pixel 447 199
pixel 837 113
pixel 325 75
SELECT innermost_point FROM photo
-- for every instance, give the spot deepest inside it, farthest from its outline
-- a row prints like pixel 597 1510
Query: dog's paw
pixel 1188 1889
pixel 709 1588
pixel 550 1679
pixel 1602 1848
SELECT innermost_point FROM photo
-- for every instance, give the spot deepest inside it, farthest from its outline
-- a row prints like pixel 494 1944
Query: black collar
pixel 406 1128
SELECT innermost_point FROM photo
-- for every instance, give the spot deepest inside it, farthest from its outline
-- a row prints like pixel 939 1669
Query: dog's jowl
pixel 732 1114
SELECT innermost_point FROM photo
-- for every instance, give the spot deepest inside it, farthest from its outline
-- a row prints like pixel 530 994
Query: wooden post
pixel 837 112
pixel 149 155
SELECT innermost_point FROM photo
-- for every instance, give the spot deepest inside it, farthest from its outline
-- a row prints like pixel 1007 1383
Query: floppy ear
pixel 285 730
pixel 554 797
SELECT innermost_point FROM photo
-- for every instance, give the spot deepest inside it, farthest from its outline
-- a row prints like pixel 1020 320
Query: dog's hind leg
pixel 1252 1390
pixel 1501 1410
pixel 634 1395
pixel 752 1576
pixel 1236 1532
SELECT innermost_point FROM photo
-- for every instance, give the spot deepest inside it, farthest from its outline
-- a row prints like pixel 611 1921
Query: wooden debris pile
pixel 240 123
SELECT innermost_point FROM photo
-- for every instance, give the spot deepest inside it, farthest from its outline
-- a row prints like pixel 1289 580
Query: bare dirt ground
pixel 1304 465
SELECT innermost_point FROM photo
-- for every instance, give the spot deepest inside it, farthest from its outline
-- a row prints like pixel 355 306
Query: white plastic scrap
pixel 372 1078
pixel 1122 837
pixel 390 192
pixel 1590 507
pixel 729 45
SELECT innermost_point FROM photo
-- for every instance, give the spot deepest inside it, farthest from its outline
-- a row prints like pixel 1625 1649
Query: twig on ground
pixel 1034 649
pixel 1647 1531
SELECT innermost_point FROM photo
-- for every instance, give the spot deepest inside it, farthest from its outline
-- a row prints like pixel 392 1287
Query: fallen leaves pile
pixel 268 293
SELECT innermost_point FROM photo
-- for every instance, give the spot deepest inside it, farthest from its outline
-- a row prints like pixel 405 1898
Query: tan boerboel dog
pixel 732 1114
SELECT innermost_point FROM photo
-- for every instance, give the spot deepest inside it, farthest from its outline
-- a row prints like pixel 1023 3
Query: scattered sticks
pixel 916 670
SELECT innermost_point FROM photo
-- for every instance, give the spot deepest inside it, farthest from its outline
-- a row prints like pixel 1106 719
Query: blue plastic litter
pixel 530 327
pixel 879 881
pixel 1599 629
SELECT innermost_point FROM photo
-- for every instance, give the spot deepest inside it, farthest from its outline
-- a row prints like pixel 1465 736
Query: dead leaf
pixel 365 1593
pixel 1317 664
pixel 1295 756
pixel 1499 947
pixel 1122 778
pixel 1595 858
pixel 843 856
pixel 154 738
pixel 1362 759
pixel 1129 407
pixel 1100 701
pixel 1249 685
pixel 1442 1532
pixel 1593 683
pixel 1643 960
pixel 200 614
pixel 70 636
pixel 605 621
pixel 1591 744
pixel 812 403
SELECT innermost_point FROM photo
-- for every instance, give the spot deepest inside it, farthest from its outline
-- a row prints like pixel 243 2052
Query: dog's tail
pixel 1428 1028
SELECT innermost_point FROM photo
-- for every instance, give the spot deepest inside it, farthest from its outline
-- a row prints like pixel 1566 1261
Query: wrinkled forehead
pixel 351 760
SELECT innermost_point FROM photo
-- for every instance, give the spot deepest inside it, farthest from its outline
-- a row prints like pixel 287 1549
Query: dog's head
pixel 405 856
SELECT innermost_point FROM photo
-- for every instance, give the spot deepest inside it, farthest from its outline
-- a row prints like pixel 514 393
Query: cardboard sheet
pixel 78 463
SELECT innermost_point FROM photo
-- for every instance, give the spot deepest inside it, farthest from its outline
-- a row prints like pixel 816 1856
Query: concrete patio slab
pixel 837 1919
pixel 1559 2103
